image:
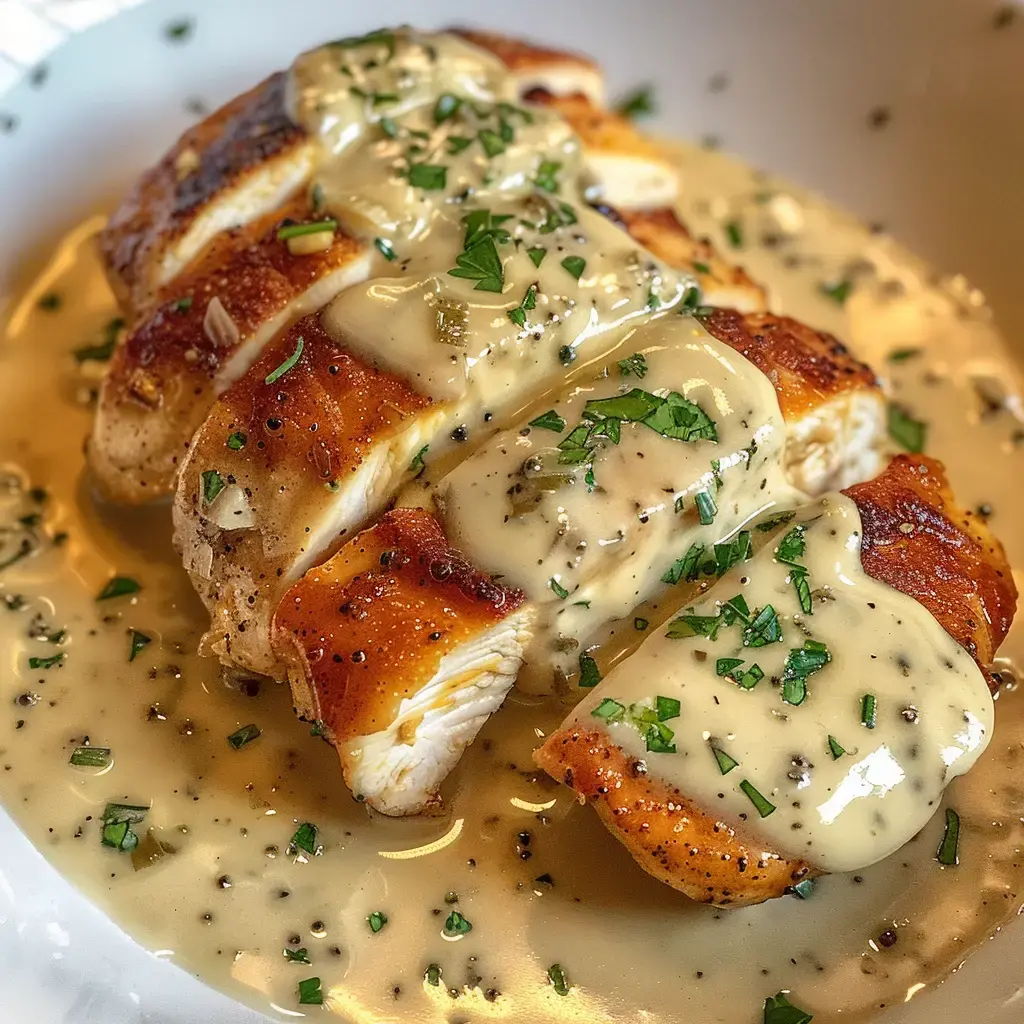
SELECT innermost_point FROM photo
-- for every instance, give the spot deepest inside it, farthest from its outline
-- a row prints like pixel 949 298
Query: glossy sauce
pixel 538 877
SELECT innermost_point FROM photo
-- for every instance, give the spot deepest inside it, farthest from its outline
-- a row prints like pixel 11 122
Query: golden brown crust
pixel 206 161
pixel 666 833
pixel 807 368
pixel 520 56
pixel 665 235
pixel 169 368
pixel 918 540
pixel 370 627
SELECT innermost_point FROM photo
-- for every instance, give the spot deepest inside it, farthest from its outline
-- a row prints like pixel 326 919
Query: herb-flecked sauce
pixel 223 873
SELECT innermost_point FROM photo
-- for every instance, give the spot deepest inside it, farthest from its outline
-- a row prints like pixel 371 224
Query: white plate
pixel 801 84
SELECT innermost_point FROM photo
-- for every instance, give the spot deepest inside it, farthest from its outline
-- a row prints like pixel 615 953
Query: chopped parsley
pixel 549 420
pixel 91 757
pixel 537 254
pixel 430 177
pixel 446 107
pixel 637 104
pixel 647 720
pixel 558 589
pixel 117 826
pixel 213 484
pixel 377 920
pixel 240 737
pixel 900 355
pixel 547 176
pixel 139 643
pixel 948 852
pixel 275 375
pixel 590 674
pixel 634 365
pixel 297 956
pixel 119 586
pixel 802 662
pixel 558 978
pixel 868 710
pixel 312 228
pixel 574 265
pixel 907 432
pixel 687 567
pixel 779 1010
pixel 479 260
pixel 763 629
pixel 305 838
pixel 518 314
pixel 734 233
pixel 762 805
pixel 432 975
pixel 835 748
pixel 560 216
pixel 803 890
pixel 837 291
pixel 457 924
pixel 609 709
pixel 45 663
pixel 725 762
pixel 418 463
pixel 640 624
pixel 493 144
pixel 310 993
pixel 707 508
pixel 685 626
pixel 386 249
pixel 731 552
pixel 237 441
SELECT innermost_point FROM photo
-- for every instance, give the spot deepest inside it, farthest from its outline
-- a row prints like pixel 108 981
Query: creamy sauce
pixel 590 538
pixel 848 746
pixel 537 876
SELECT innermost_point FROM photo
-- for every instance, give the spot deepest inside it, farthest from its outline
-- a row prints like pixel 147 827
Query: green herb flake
pixel 707 508
pixel 139 642
pixel 724 666
pixel 237 441
pixel 493 144
pixel 640 624
pixel 659 739
pixel 779 1010
pixel 901 355
pixel 637 104
pixel 685 626
pixel 446 107
pixel 430 177
pixel 518 314
pixel 667 708
pixel 377 920
pixel 732 552
pixel 537 254
pixel 549 420
pixel 609 710
pixel 418 463
pixel 241 737
pixel 634 365
pixel 305 838
pixel 46 663
pixel 948 852
pixel 792 546
pixel 119 586
pixel 803 890
pixel 117 824
pixel 182 305
pixel 432 975
pixel 558 978
pixel 590 674
pixel 734 233
pixel 835 748
pixel 310 993
pixel 687 567
pixel 275 375
pixel 558 589
pixel 868 710
pixel 457 143
pixel 763 806
pixel 91 757
pixel 750 677
pixel 386 249
pixel 725 762
pixel 297 956
pixel 574 265
pixel 480 262
pixel 312 228
pixel 213 484
pixel 764 628
pixel 838 291
pixel 547 176
pixel 802 662
pixel 457 924
pixel 908 433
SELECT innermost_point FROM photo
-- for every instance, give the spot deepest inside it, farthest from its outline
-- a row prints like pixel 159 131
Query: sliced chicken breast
pixel 946 596
pixel 241 162
pixel 400 650
pixel 207 329
pixel 627 169
pixel 536 67
pixel 302 448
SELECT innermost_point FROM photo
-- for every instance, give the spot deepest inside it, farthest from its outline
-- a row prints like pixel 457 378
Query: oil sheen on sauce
pixel 540 881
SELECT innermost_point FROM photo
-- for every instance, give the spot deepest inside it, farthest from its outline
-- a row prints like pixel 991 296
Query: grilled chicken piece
pixel 947 561
pixel 209 326
pixel 241 162
pixel 401 651
pixel 834 410
pixel 316 444
pixel 721 282
pixel 629 171
pixel 535 67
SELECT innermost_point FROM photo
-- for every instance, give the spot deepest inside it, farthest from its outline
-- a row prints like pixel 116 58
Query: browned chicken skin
pixel 950 563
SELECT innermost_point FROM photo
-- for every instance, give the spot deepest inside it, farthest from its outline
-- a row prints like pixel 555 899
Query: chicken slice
pixel 241 162
pixel 400 650
pixel 721 282
pixel 312 440
pixel 927 591
pixel 536 67
pixel 207 329
pixel 626 168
